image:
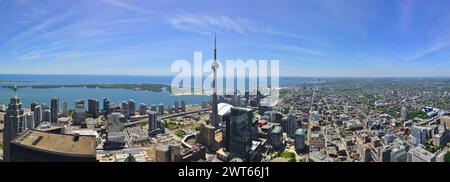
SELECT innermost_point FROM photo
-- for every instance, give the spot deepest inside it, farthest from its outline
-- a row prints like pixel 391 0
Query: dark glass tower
pixel 241 132
pixel 54 110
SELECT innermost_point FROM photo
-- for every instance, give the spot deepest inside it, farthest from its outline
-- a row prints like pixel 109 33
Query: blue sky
pixel 373 38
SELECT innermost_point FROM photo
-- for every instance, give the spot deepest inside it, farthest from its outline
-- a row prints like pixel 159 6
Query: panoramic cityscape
pixel 77 86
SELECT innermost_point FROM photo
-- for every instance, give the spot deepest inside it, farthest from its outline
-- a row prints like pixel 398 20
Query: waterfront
pixel 29 95
pixel 43 95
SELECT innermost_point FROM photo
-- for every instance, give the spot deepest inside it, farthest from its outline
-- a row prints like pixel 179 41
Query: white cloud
pixel 301 49
pixel 206 24
pixel 125 5
pixel 36 29
pixel 429 50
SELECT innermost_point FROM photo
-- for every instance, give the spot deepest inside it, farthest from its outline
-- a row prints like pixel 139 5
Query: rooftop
pixel 59 143
pixel 300 132
pixel 277 130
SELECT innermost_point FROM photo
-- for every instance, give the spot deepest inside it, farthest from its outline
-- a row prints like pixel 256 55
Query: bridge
pixel 167 116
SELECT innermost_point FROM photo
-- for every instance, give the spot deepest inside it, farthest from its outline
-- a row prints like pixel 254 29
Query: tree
pixel 417 113
pixel 447 157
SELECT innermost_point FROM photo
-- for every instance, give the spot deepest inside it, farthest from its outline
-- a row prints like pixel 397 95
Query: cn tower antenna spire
pixel 215 48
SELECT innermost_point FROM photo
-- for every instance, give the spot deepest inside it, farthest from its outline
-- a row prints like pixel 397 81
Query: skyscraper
pixel 404 114
pixel 226 131
pixel 300 140
pixel 143 109
pixel 206 136
pixel 46 115
pixel 183 106
pixel 33 106
pixel 418 135
pixel 176 105
pixel 124 108
pixel 115 138
pixel 214 66
pixel 161 109
pixel 13 124
pixel 155 126
pixel 242 132
pixel 106 106
pixel 131 107
pixel 276 138
pixel 80 112
pixel 37 115
pixel 153 108
pixel 291 125
pixel 94 108
pixel 54 109
pixel 29 120
pixel 65 112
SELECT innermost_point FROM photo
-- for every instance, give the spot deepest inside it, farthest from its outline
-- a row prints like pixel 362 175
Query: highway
pixel 167 116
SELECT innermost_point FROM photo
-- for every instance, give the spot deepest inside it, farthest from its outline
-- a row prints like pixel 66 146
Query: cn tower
pixel 214 67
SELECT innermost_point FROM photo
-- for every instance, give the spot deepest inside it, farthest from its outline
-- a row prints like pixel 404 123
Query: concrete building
pixel 300 140
pixel 446 120
pixel 162 153
pixel 418 154
pixel 385 155
pixel 94 108
pixel 399 154
pixel 153 108
pixel 204 104
pixel 106 107
pixel 183 106
pixel 65 112
pixel 206 137
pixel 291 125
pixel 46 115
pixel 124 109
pixel 33 106
pixel 143 109
pixel 38 146
pixel 115 137
pixel 161 109
pixel 29 120
pixel 317 141
pixel 54 110
pixel 80 112
pixel 176 105
pixel 13 125
pixel 264 107
pixel 155 125
pixel 443 137
pixel 419 135
pixel 174 152
pixel 37 115
pixel 404 114
pixel 131 107
pixel 276 138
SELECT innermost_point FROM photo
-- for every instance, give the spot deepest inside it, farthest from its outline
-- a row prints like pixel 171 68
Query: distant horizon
pixel 171 75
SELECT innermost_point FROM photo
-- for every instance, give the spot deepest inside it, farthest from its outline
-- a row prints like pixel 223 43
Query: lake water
pixel 29 95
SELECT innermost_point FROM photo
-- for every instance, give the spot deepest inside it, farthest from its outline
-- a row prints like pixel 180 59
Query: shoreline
pixel 140 87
